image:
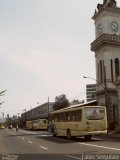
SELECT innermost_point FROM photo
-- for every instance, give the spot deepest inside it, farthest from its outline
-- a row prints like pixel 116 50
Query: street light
pixel 103 86
pixel 95 80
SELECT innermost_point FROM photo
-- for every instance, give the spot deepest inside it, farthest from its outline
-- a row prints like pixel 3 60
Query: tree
pixel 61 102
pixel 1 94
pixel 76 101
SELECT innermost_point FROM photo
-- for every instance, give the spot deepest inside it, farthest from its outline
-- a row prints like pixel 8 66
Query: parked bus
pixel 80 121
pixel 29 125
pixel 38 124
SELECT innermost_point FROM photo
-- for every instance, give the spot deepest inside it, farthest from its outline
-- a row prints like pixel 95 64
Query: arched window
pixel 111 63
pixel 98 75
pixel 116 67
pixel 101 72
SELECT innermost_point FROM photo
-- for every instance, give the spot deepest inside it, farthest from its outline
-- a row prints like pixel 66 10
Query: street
pixel 26 144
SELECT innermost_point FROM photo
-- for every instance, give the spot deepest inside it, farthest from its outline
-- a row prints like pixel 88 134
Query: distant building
pixel 90 92
pixel 39 112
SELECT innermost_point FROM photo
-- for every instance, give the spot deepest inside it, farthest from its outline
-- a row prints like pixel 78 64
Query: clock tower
pixel 107 54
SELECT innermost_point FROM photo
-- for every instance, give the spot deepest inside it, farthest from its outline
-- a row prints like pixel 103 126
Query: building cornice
pixel 105 40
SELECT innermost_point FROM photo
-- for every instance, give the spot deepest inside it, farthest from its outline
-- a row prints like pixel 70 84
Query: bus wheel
pixel 88 137
pixel 68 134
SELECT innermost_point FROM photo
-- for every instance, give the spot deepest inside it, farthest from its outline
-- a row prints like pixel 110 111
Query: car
pixel 10 127
pixel 1 126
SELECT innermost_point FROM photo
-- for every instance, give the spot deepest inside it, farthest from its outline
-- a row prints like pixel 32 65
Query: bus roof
pixel 74 107
pixel 94 102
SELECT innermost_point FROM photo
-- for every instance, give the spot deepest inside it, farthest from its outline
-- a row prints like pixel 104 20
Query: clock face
pixel 114 26
pixel 99 29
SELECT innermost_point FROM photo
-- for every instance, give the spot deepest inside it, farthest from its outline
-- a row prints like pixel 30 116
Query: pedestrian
pixel 17 128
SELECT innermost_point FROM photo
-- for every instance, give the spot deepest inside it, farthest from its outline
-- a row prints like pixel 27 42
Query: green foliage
pixel 61 102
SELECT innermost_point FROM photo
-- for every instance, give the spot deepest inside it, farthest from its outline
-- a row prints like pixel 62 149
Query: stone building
pixel 107 54
pixel 39 112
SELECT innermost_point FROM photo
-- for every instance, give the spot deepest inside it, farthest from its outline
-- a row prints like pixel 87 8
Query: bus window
pixel 64 117
pixel 73 116
pixel 69 116
pixel 79 115
pixel 94 113
pixel 44 121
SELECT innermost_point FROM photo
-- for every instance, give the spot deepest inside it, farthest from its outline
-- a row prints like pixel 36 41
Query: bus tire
pixel 68 134
pixel 88 137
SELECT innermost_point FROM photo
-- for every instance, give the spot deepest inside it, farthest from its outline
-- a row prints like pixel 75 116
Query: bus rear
pixel 95 120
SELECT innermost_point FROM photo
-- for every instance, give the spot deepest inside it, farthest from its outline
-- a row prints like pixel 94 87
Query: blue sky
pixel 45 51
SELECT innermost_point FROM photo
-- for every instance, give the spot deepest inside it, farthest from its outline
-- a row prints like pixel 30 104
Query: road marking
pixel 22 138
pixel 45 135
pixel 28 132
pixel 87 144
pixel 30 142
pixel 43 147
pixel 92 145
pixel 73 157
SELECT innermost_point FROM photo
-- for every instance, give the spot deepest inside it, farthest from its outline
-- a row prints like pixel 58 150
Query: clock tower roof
pixel 107 5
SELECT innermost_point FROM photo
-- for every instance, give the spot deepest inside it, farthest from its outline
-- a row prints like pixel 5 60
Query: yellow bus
pixel 40 124
pixel 80 121
pixel 29 125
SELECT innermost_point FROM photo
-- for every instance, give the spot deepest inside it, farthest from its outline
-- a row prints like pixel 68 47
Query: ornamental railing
pixel 105 38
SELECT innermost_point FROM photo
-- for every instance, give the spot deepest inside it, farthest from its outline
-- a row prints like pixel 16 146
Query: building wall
pixel 107 49
pixel 41 111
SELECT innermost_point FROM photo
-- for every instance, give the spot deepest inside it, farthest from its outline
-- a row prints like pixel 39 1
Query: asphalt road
pixel 33 145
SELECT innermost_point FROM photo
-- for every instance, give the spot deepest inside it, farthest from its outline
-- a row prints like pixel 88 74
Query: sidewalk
pixel 112 135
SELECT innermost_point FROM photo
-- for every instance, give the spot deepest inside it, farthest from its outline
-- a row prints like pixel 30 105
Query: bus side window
pixel 60 117
pixel 55 118
pixel 69 116
pixel 44 121
pixel 66 116
pixel 78 115
pixel 73 118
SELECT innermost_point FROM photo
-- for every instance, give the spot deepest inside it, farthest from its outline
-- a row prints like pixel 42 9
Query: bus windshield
pixel 94 113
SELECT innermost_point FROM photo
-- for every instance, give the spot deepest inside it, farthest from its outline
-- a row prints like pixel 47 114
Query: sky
pixel 45 51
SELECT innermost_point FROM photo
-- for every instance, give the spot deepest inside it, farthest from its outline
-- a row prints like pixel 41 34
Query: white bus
pixel 80 121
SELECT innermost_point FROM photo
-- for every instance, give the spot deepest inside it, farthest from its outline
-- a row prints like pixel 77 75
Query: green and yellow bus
pixel 80 121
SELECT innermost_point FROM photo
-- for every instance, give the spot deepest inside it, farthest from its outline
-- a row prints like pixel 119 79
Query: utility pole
pixel 25 117
pixel 48 107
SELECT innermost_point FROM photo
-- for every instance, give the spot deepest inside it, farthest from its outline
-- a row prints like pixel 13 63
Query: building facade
pixel 39 112
pixel 107 53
